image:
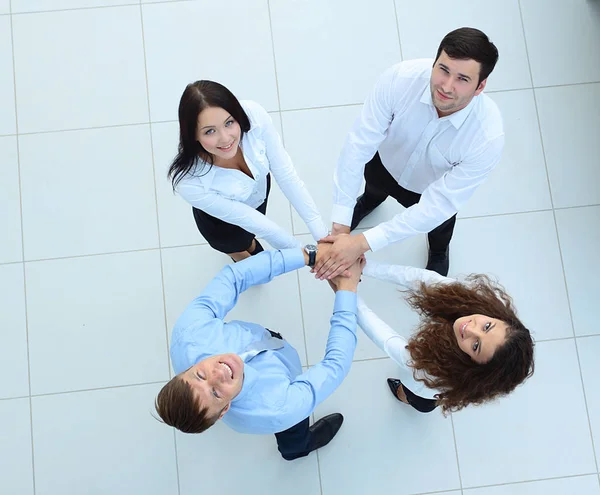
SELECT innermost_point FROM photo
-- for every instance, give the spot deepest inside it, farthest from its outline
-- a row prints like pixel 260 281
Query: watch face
pixel 310 247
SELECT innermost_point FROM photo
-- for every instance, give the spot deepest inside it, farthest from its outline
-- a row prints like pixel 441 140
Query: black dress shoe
pixel 438 262
pixel 361 210
pixel 321 433
pixel 394 386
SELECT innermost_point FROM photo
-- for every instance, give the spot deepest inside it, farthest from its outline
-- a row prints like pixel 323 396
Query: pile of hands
pixel 340 259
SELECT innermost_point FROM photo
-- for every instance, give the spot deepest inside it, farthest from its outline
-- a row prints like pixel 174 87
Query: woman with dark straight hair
pixel 469 348
pixel 227 151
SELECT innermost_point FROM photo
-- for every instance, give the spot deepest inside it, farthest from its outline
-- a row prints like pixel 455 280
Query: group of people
pixel 428 137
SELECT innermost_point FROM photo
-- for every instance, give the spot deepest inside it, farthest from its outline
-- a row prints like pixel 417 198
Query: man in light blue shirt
pixel 247 375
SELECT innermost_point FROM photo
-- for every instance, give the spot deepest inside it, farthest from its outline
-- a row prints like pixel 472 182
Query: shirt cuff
pixel 376 238
pixel 318 229
pixel 342 215
pixel 345 300
pixel 370 269
pixel 293 259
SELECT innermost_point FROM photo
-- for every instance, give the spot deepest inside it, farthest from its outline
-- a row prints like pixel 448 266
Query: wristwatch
pixel 311 250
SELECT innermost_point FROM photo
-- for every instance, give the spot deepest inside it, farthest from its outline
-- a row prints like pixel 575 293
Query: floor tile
pixel 105 206
pixel 11 248
pixel 570 129
pixel 579 235
pixel 275 305
pixel 578 23
pixel 102 441
pixel 100 315
pixel 19 6
pixel 257 462
pixel 384 442
pixel 382 297
pixel 319 46
pixel 565 486
pixel 13 335
pixel 522 252
pixel 228 49
pixel 15 447
pixel 4 6
pixel 527 437
pixel 423 26
pixel 519 183
pixel 177 227
pixel 588 357
pixel 93 69
pixel 7 82
pixel 326 129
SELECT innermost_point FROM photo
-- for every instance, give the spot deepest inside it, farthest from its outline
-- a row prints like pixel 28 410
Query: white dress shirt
pixel 382 335
pixel 444 159
pixel 233 197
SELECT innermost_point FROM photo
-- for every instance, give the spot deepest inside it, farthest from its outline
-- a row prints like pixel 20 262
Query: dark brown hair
pixel 470 43
pixel 177 407
pixel 434 349
pixel 196 97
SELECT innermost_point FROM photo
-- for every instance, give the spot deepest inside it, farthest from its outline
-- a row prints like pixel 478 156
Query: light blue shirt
pixel 275 394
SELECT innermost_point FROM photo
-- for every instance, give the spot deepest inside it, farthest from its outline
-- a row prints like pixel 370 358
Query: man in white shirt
pixel 429 138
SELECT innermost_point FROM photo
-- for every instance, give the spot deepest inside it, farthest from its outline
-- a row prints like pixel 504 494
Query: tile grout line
pixel 94 389
pixel 289 205
pixel 278 98
pixel 96 7
pixel 537 480
pixel 398 29
pixel 456 452
pixel 562 262
pixel 344 105
pixel 12 40
pixel 162 274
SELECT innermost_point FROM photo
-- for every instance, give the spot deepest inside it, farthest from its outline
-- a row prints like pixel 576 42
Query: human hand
pixel 333 286
pixel 338 228
pixel 351 282
pixel 337 257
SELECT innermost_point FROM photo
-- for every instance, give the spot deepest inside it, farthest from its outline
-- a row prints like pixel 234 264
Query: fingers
pixel 325 268
pixel 334 271
pixel 329 239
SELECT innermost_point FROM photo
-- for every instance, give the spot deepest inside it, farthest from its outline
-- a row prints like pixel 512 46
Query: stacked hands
pixel 340 254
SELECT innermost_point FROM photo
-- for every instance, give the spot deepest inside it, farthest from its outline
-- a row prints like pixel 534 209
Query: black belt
pixel 274 334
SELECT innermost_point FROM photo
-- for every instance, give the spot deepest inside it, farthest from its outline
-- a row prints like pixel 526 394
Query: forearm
pixel 405 276
pixel 222 292
pixel 326 376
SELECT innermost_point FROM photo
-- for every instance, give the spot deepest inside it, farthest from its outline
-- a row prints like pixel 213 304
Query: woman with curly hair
pixel 470 347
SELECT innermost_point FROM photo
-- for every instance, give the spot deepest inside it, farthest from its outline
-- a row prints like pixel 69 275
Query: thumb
pixel 330 239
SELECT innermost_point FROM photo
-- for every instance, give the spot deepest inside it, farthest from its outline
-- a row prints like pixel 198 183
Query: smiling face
pixel 479 336
pixel 216 381
pixel 218 133
pixel 454 83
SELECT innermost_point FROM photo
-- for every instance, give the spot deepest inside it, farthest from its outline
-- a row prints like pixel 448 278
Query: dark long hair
pixel 196 97
pixel 434 349
pixel 470 43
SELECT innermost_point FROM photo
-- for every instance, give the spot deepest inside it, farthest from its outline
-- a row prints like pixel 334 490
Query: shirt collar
pixel 250 378
pixel 457 118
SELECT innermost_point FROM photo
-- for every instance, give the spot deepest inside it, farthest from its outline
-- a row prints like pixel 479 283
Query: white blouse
pixel 233 197
pixel 382 335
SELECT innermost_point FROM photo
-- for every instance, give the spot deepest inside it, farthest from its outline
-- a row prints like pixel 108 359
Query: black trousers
pixel 223 236
pixel 380 184
pixel 295 441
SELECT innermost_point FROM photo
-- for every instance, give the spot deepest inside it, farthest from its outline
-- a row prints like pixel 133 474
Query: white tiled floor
pixel 98 258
